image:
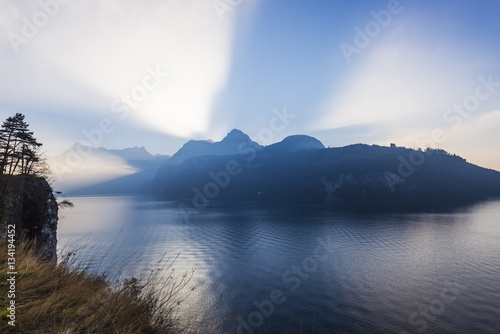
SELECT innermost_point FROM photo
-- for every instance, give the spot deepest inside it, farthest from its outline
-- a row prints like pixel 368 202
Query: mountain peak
pixel 230 145
pixel 236 134
pixel 297 143
pixel 135 149
pixel 304 142
pixel 236 131
pixel 200 144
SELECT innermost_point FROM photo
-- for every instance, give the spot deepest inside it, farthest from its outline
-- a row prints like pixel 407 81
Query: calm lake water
pixel 307 269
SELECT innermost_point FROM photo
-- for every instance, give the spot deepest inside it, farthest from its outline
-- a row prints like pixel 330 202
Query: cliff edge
pixel 29 204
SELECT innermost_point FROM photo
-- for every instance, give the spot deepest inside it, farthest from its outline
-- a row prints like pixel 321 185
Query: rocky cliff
pixel 30 205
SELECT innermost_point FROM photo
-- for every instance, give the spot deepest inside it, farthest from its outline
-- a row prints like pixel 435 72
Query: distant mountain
pixel 132 154
pixel 300 169
pixel 145 164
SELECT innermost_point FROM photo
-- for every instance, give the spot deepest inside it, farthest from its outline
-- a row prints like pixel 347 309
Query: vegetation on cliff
pixel 19 149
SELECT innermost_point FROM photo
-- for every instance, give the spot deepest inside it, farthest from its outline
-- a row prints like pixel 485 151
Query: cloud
pixel 72 171
pixel 478 140
pixel 92 52
pixel 399 80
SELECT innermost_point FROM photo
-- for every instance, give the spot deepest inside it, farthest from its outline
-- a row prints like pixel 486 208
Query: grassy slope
pixel 55 298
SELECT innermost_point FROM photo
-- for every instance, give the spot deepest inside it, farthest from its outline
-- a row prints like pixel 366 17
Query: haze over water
pixel 338 272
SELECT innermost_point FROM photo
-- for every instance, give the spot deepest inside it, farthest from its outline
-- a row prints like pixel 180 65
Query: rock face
pixel 30 205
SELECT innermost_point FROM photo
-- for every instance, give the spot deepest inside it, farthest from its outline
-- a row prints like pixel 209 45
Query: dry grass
pixel 67 298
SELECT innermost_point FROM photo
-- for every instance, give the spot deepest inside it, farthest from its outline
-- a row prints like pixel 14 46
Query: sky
pixel 157 73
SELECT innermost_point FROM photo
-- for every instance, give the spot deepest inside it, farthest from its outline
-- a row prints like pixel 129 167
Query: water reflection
pixel 382 269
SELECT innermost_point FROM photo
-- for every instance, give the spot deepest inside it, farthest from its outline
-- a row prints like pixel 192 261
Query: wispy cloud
pixel 477 140
pixel 92 52
pixel 398 82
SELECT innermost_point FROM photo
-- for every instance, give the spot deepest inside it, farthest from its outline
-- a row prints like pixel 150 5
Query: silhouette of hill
pixel 357 177
pixel 228 146
pixel 294 144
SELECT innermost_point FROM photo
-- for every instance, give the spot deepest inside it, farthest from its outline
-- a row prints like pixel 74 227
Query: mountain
pixel 190 149
pixel 235 142
pixel 356 177
pixel 133 154
pixel 296 143
pixel 232 144
pixel 137 159
pixel 228 146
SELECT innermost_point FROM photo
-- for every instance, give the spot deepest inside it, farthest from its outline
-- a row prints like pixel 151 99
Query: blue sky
pixel 236 68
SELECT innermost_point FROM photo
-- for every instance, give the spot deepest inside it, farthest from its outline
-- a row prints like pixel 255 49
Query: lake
pixel 275 268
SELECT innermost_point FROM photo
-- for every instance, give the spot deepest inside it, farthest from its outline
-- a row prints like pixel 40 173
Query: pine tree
pixel 18 147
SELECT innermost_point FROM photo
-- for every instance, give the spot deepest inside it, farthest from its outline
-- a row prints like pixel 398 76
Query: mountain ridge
pixel 300 169
pixel 356 177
